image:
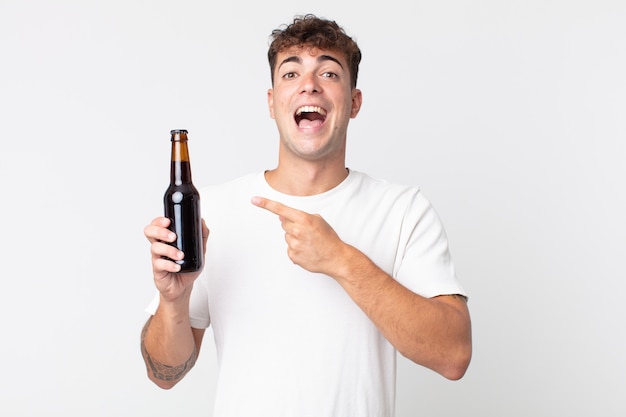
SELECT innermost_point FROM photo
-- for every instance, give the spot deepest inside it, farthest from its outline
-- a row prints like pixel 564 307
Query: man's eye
pixel 289 75
pixel 329 75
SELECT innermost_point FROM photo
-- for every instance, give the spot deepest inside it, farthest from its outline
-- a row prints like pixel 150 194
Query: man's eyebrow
pixel 293 58
pixel 321 58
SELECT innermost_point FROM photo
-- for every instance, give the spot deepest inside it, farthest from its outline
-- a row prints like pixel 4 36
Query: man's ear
pixel 357 100
pixel 270 102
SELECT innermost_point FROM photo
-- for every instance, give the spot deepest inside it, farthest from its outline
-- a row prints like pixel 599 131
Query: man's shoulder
pixel 375 186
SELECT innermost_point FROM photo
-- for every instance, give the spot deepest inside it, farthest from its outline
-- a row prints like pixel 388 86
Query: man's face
pixel 312 102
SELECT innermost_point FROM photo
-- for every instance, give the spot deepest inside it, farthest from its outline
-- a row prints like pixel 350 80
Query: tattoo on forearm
pixel 162 371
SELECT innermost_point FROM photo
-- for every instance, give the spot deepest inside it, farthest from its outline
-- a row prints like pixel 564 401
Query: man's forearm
pixel 435 333
pixel 168 349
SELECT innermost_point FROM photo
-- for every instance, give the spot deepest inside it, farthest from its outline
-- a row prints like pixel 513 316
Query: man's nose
pixel 310 83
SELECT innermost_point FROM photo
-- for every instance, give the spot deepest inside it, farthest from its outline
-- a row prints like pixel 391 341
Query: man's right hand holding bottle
pixel 171 284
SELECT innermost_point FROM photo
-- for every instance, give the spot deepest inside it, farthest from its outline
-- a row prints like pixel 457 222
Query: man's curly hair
pixel 312 31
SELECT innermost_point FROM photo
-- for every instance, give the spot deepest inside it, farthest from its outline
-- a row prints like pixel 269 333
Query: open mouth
pixel 310 116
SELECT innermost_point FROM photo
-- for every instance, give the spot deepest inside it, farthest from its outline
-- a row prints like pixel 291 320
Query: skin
pixel 311 160
pixel 433 332
pixel 169 344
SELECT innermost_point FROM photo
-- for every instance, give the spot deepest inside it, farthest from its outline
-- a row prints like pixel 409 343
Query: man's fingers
pixel 157 230
pixel 164 264
pixel 165 250
pixel 274 206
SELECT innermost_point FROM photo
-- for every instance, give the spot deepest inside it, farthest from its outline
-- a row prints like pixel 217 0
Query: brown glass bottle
pixel 182 206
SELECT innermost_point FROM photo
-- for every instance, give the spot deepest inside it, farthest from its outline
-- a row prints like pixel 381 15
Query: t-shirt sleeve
pixel 199 303
pixel 154 304
pixel 426 266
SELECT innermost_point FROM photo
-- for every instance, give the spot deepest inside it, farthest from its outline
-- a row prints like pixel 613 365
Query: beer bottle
pixel 182 206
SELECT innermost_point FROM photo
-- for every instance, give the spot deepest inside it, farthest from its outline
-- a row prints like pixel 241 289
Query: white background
pixel 509 114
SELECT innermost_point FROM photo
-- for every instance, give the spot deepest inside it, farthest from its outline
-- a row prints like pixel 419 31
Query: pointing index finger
pixel 272 206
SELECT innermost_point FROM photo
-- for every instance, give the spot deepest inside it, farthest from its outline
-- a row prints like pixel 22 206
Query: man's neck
pixel 306 178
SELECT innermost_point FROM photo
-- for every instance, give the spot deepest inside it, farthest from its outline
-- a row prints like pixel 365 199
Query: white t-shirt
pixel 291 343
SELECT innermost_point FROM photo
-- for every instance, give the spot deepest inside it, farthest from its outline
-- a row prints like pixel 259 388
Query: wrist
pixel 175 307
pixel 353 267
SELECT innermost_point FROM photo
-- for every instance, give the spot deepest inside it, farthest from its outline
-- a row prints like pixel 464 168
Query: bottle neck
pixel 180 171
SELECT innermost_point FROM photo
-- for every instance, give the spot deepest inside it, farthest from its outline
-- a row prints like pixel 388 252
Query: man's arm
pixel 169 344
pixel 433 332
pixel 169 350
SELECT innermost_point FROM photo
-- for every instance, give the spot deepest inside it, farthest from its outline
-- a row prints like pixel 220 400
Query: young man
pixel 316 275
